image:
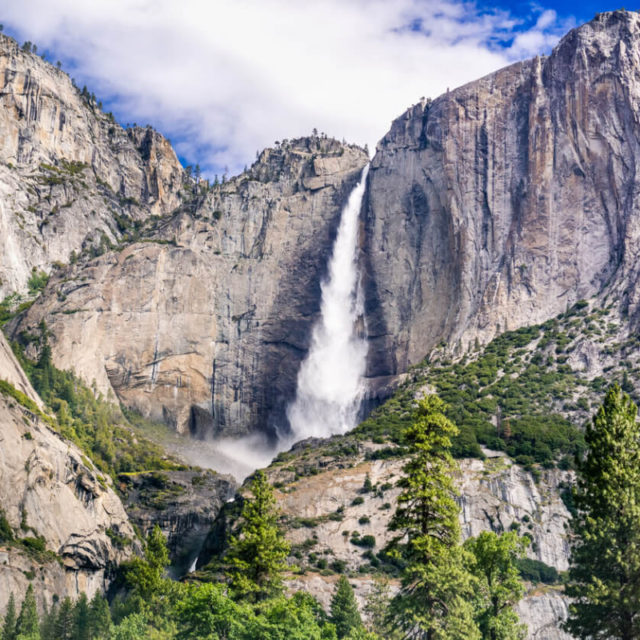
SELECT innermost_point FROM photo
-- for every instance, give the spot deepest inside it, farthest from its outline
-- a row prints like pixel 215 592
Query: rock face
pixel 48 489
pixel 324 509
pixel 503 202
pixel 495 495
pixel 69 175
pixel 204 324
pixel 184 504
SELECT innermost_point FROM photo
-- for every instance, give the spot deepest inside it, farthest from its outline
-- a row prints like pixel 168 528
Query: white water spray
pixel 330 387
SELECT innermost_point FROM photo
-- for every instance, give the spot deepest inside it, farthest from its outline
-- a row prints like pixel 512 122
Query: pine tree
pixel 499 584
pixel 146 576
pixel 435 600
pixel 376 606
pixel 28 626
pixel 344 609
pixel 81 619
pixel 257 556
pixel 100 618
pixel 48 626
pixel 9 631
pixel 64 621
pixel 604 574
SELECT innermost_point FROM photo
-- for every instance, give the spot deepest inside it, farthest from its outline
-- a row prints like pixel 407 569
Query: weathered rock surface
pixel 205 324
pixel 501 203
pixel 495 495
pixel 542 612
pixel 69 175
pixel 184 504
pixel 48 489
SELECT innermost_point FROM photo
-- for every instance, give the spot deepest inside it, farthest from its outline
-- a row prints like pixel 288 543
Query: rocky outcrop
pixel 184 504
pixel 204 324
pixel 495 495
pixel 51 494
pixel 324 510
pixel 503 202
pixel 69 175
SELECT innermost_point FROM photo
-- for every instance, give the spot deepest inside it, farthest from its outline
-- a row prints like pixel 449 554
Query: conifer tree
pixel 48 626
pixel 146 576
pixel 604 574
pixel 435 600
pixel 28 626
pixel 257 556
pixel 64 621
pixel 10 620
pixel 81 619
pixel 100 617
pixel 376 606
pixel 344 609
pixel 499 584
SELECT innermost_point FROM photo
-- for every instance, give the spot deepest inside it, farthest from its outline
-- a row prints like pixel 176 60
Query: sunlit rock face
pixel 68 172
pixel 49 489
pixel 505 201
pixel 204 323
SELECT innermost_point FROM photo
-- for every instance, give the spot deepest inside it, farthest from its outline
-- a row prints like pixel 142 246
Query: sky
pixel 222 79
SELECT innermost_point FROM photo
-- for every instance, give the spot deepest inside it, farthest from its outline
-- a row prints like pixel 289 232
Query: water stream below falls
pixel 329 387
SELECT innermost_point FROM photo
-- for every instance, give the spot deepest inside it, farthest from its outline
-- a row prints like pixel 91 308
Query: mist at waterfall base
pixel 330 380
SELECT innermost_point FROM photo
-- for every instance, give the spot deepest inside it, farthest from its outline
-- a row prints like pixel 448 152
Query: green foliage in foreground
pixel 604 575
pixel 435 600
pixel 344 609
pixel 83 416
pixel 257 556
pixel 448 591
pixel 498 584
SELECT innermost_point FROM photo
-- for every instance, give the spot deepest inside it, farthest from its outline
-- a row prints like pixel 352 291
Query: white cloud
pixel 224 78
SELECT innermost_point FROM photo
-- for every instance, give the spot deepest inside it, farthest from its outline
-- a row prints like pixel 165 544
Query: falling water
pixel 330 388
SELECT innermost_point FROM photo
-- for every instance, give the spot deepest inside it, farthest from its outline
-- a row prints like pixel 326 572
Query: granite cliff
pixel 503 202
pixel 69 175
pixel 70 529
pixel 204 321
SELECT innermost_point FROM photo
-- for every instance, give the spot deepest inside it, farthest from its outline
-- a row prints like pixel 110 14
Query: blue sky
pixel 225 78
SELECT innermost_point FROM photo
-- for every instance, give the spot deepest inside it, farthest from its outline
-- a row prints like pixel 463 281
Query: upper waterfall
pixel 329 386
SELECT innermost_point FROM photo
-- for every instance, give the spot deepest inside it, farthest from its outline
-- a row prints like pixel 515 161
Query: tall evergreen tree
pixel 100 617
pixel 28 626
pixel 81 619
pixel 344 609
pixel 435 600
pixel 9 631
pixel 64 621
pixel 604 574
pixel 499 584
pixel 48 626
pixel 145 577
pixel 257 555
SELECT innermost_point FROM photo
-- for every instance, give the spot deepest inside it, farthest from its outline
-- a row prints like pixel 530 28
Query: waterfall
pixel 329 386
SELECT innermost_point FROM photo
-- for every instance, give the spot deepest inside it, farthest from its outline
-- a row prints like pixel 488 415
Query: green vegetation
pixel 256 557
pixel 9 631
pixel 516 395
pixel 604 576
pixel 498 584
pixel 37 281
pixel 537 571
pixel 12 306
pixel 448 590
pixel 344 609
pixel 436 595
pixel 98 427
